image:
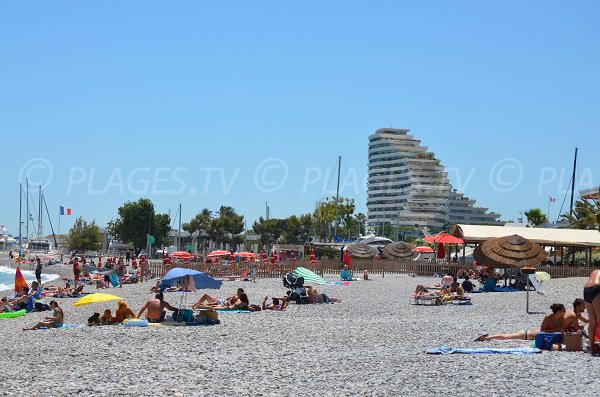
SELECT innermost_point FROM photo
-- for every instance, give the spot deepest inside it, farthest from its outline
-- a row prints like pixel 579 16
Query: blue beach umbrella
pixel 201 280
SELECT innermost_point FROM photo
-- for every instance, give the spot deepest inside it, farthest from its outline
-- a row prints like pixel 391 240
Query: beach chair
pixel 428 300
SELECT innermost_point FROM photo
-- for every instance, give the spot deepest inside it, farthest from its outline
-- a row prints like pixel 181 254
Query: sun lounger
pixel 428 300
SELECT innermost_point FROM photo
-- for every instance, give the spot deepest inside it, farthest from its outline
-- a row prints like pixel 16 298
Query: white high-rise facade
pixel 408 186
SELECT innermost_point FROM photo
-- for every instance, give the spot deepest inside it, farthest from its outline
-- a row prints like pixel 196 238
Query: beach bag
pixel 41 307
pixel 545 340
pixel 573 342
pixel 184 315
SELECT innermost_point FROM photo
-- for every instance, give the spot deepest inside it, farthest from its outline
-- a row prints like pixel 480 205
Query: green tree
pixel 296 230
pixel 227 227
pixel 536 217
pixel 136 219
pixel 201 224
pixel 324 217
pixel 586 215
pixel 84 236
pixel 269 230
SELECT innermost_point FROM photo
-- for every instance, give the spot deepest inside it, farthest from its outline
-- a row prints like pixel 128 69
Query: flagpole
pixel 59 217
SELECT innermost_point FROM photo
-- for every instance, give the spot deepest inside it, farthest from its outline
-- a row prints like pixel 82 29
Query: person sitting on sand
pixel 156 309
pixel 573 317
pixel 447 280
pixel 242 304
pixel 107 317
pixel 315 297
pixel 5 306
pixel 277 304
pixel 123 312
pixel 365 275
pixel 551 323
pixel 467 284
pixel 55 321
pixel 21 301
pixel 454 286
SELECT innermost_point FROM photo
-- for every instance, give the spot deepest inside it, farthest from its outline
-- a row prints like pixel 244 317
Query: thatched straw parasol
pixel 362 251
pixel 400 250
pixel 509 251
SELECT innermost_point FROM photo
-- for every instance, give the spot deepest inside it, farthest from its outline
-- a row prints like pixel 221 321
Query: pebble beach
pixel 371 344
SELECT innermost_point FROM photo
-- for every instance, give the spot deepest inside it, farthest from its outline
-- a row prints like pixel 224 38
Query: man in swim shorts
pixel 156 309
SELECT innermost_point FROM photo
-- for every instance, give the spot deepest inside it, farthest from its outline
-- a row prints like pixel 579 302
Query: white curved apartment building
pixel 409 186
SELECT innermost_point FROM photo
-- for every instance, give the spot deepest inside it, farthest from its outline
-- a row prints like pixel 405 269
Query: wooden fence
pixel 333 267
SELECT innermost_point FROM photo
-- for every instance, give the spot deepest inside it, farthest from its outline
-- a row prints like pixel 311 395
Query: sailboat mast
pixel 179 233
pixel 573 181
pixel 337 198
pixel 27 214
pixel 40 213
pixel 20 217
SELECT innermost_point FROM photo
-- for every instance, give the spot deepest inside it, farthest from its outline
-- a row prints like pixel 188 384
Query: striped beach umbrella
pixel 309 276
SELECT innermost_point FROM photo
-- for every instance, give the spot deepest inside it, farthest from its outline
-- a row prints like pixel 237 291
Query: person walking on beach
pixel 76 271
pixel 38 270
pixel 591 296
pixel 55 321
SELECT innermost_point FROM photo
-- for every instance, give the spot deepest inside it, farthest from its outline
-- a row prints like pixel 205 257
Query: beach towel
pixel 446 350
pixel 233 311
pixel 65 326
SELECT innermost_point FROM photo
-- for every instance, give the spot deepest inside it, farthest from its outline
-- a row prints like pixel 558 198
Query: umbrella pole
pixel 527 295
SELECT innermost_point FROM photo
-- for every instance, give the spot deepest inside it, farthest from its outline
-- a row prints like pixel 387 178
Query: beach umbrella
pixel 543 276
pixel 181 254
pixel 362 251
pixel 20 281
pixel 201 280
pixel 250 255
pixel 218 253
pixel 423 249
pixel 309 276
pixel 96 298
pixel 400 250
pixel 509 251
pixel 443 238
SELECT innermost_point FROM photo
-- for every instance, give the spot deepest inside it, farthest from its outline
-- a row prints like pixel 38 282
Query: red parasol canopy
pixel 423 249
pixel 181 254
pixel 443 238
pixel 218 253
pixel 20 281
pixel 250 255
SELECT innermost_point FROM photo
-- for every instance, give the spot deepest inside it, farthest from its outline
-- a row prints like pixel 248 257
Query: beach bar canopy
pixel 472 234
pixel 546 237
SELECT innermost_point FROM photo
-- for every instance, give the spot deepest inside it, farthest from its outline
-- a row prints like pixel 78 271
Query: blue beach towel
pixel 446 350
pixel 233 311
pixel 64 326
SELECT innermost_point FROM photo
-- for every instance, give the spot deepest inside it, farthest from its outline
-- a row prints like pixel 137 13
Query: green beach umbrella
pixel 309 276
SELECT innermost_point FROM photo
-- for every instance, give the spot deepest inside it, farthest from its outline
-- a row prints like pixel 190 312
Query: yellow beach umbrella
pixel 96 298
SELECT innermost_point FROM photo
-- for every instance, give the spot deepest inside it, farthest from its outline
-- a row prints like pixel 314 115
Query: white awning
pixel 542 236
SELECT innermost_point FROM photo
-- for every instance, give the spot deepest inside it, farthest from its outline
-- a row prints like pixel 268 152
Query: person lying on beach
pixel 551 323
pixel 209 300
pixel 21 301
pixel 55 321
pixel 277 304
pixel 156 309
pixel 421 290
pixel 57 292
pixel 573 317
pixel 107 317
pixel 156 288
pixel 315 297
pixel 5 306
pixel 123 312
pixel 242 304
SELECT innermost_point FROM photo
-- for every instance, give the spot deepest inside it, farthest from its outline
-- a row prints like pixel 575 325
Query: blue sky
pixel 246 102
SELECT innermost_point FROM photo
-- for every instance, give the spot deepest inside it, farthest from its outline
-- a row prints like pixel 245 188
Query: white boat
pixel 7 242
pixel 40 245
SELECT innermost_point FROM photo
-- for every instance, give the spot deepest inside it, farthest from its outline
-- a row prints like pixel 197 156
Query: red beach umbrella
pixel 443 238
pixel 20 281
pixel 423 249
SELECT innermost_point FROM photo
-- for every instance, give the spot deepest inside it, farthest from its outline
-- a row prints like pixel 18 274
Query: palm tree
pixel 586 214
pixel 536 217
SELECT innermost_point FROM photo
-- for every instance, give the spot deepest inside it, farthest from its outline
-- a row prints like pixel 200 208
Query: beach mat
pixel 498 289
pixel 446 350
pixel 66 326
pixel 233 311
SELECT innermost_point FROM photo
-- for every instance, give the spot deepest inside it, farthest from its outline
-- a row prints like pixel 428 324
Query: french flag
pixel 65 211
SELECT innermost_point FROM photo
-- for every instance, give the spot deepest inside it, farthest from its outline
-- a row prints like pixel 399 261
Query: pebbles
pixel 372 344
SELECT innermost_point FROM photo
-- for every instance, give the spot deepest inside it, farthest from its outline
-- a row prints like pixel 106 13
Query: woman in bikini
pixel 56 321
pixel 591 293
pixel 552 323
